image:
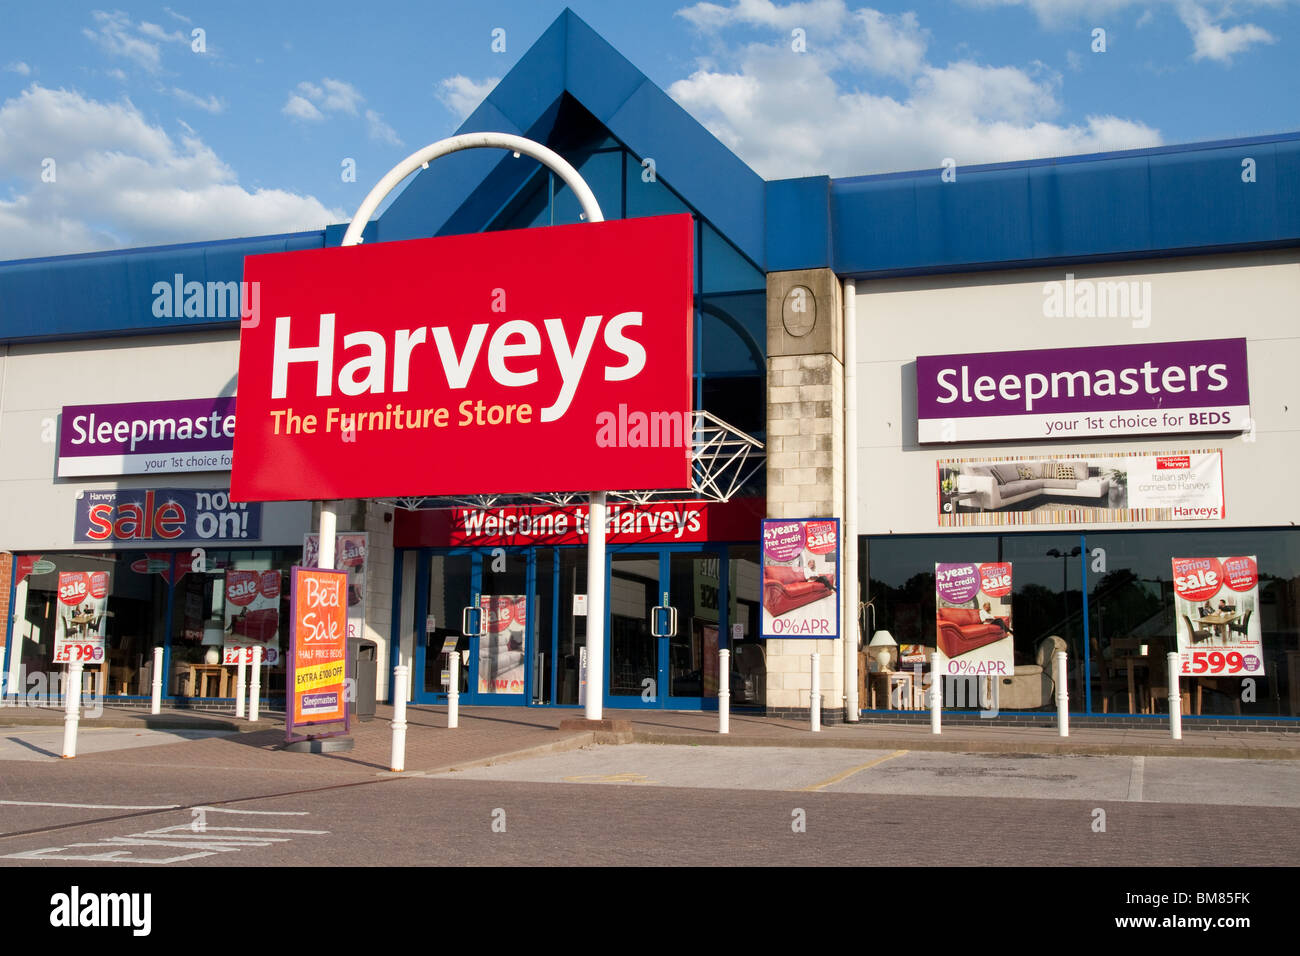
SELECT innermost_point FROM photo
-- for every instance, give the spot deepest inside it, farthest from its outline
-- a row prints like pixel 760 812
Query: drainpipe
pixel 849 540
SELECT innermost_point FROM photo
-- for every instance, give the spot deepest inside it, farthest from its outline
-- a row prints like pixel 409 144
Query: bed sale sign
pixel 317 655
pixel 801 560
pixel 80 617
pixel 973 618
pixel 1216 615
pixel 428 366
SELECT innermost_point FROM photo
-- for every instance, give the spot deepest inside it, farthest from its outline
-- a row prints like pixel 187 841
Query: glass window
pixel 1121 636
pixel 649 198
pixel 724 268
pixel 151 599
pixel 1131 608
pixel 604 174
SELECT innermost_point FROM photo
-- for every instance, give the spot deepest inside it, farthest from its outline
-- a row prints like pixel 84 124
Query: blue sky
pixel 153 141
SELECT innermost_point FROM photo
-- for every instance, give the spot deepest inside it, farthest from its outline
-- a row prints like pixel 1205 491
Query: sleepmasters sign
pixel 1147 389
pixel 552 359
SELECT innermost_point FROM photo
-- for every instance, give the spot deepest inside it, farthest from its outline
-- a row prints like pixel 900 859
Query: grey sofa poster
pixel 1079 488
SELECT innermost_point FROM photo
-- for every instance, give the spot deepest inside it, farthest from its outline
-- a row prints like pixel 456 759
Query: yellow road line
pixel 852 770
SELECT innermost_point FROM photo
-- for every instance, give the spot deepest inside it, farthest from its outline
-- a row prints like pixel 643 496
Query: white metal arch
pixel 454 144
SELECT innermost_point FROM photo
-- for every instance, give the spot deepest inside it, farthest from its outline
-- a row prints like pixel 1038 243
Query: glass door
pixel 697 591
pixel 452 587
pixel 500 653
pixel 667 620
pixel 633 655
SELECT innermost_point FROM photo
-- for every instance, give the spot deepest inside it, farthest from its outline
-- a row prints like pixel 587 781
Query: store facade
pixel 818 306
pixel 119 522
pixel 1185 465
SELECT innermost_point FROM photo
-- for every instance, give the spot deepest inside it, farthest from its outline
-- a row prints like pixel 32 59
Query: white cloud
pixel 121 181
pixel 1213 42
pixel 178 16
pixel 462 95
pixel 300 108
pixel 313 101
pixel 155 32
pixel 815 14
pixel 19 67
pixel 790 114
pixel 866 38
pixel 380 131
pixel 212 104
pixel 1210 40
pixel 115 73
pixel 339 96
pixel 113 34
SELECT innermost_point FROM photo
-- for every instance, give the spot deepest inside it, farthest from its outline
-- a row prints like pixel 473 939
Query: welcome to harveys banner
pixel 669 522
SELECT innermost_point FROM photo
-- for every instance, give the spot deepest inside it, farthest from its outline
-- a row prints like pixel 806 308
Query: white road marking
pixel 1135 779
pixel 208 840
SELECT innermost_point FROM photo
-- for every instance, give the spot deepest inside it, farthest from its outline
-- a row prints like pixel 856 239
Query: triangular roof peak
pixel 571 58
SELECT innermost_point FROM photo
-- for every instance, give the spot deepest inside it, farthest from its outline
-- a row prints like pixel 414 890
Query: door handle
pixel 471 621
pixel 663 621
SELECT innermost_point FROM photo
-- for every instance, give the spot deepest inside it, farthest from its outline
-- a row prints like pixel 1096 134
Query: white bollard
pixel 156 706
pixel 938 664
pixel 397 763
pixel 255 686
pixel 724 691
pixel 815 694
pixel 71 707
pixel 1062 697
pixel 1175 698
pixel 241 680
pixel 453 691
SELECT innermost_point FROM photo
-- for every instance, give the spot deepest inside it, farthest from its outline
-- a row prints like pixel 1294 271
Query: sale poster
pixel 318 647
pixel 81 617
pixel 350 550
pixel 801 561
pixel 501 645
pixel 252 616
pixel 973 626
pixel 1216 616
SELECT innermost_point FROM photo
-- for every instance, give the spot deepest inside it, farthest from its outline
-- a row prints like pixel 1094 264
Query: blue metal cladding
pixel 798 223
pixel 572 58
pixel 112 293
pixel 1161 201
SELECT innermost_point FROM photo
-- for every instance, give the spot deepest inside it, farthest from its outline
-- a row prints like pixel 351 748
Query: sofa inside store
pixel 1107 599
pixel 168 599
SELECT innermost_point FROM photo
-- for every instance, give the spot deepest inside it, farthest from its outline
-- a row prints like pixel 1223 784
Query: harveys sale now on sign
pixel 494 362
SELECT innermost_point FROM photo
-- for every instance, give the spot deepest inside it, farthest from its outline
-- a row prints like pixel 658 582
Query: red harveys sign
pixel 625 523
pixel 549 359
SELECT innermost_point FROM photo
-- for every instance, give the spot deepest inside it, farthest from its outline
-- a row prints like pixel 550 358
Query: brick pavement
pixel 489 734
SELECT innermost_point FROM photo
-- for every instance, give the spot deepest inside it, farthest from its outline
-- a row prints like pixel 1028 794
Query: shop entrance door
pixel 667 620
pixel 483 600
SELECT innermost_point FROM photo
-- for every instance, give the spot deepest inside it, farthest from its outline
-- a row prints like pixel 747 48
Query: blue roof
pixel 1168 200
pixel 1172 200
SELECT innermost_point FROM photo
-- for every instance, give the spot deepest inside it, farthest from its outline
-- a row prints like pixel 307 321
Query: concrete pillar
pixel 805 458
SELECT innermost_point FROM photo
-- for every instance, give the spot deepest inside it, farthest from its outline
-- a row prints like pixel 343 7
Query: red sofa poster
pixel 973 618
pixel 252 616
pixel 801 563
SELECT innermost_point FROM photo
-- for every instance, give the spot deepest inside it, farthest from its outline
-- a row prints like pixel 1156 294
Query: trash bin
pixel 365 671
